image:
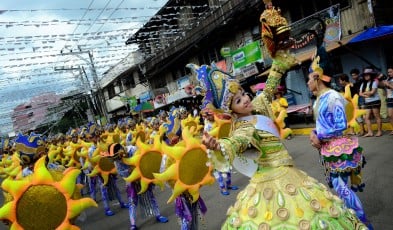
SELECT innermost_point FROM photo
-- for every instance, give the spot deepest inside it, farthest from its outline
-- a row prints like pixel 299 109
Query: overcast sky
pixel 33 33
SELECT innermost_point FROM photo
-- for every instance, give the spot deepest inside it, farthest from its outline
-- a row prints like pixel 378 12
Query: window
pixel 158 82
pixel 212 55
pixel 111 91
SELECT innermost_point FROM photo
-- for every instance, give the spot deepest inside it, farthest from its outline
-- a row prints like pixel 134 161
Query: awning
pixel 308 54
pixel 374 33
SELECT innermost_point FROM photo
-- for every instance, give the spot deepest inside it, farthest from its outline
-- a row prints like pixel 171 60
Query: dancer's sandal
pixel 124 205
pixel 109 212
pixel 161 219
pixel 224 192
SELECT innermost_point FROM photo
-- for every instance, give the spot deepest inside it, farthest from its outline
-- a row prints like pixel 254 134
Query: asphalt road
pixel 376 198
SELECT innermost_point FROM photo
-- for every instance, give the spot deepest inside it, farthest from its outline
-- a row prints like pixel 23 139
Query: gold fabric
pixel 279 196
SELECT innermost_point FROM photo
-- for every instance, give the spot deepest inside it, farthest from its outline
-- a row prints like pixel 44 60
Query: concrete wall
pixel 373 52
pixel 295 80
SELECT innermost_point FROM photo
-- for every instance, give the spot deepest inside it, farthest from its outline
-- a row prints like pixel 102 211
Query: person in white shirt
pixel 389 95
pixel 368 90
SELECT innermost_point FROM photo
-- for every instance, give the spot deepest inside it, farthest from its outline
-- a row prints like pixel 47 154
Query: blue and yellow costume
pixel 341 155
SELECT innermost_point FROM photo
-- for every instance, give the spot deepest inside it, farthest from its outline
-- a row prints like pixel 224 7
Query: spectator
pixel 389 95
pixel 383 112
pixel 195 111
pixel 368 90
pixel 343 79
pixel 279 104
pixel 357 81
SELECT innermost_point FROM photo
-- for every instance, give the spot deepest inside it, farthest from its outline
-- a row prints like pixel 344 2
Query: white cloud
pixel 34 32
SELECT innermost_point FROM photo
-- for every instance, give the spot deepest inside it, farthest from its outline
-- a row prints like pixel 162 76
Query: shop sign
pixel 330 17
pixel 249 70
pixel 175 96
pixel 145 96
pixel 159 101
pixel 247 55
pixel 182 82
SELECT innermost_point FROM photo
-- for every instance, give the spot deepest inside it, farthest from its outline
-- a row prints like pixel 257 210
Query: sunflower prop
pixel 190 168
pixel 140 132
pixel 192 123
pixel 55 153
pixel 352 110
pixel 103 165
pixel 74 154
pixel 11 166
pixel 42 203
pixel 221 128
pixel 146 161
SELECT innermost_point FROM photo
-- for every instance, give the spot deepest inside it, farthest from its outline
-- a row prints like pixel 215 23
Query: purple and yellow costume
pixel 146 200
pixel 186 210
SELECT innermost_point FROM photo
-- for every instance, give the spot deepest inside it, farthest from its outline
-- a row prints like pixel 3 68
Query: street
pixel 376 198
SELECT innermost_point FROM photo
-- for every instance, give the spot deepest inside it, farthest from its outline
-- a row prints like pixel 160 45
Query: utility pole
pixel 85 85
pixel 100 96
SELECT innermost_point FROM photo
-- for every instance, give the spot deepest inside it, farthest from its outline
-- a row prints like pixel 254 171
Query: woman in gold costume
pixel 279 196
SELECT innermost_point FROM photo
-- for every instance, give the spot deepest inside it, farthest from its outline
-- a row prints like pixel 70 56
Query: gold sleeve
pixel 262 105
pixel 238 142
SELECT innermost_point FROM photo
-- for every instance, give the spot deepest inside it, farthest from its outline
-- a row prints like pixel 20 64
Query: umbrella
pixel 144 107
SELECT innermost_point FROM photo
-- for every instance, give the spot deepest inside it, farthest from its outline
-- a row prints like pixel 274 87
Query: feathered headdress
pixel 173 127
pixel 92 130
pixel 29 147
pixel 218 87
pixel 4 144
pixel 317 69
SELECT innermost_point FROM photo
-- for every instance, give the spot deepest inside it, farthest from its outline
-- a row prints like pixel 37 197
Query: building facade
pixel 205 31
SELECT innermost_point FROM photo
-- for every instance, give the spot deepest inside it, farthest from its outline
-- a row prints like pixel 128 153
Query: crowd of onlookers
pixel 375 91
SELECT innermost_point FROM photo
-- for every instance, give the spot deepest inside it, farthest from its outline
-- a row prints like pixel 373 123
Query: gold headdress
pixel 318 71
pixel 219 87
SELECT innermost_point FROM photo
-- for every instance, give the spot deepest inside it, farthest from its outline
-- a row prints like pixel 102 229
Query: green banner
pixel 131 101
pixel 246 55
